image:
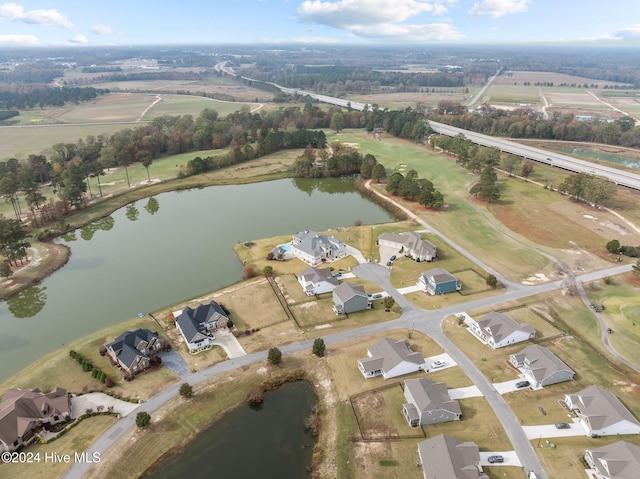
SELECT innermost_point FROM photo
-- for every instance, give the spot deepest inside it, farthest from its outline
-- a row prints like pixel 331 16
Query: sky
pixel 318 22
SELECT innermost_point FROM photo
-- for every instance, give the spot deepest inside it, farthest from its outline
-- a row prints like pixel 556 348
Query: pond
pixel 269 443
pixel 600 156
pixel 164 250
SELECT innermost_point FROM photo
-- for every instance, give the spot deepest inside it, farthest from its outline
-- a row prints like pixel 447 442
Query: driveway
pixel 549 430
pixel 174 362
pixel 510 458
pixel 80 404
pixel 508 386
pixel 227 341
pixel 448 362
pixel 350 250
pixel 387 252
pixel 468 392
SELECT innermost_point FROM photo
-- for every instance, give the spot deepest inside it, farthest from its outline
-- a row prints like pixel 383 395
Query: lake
pixel 162 251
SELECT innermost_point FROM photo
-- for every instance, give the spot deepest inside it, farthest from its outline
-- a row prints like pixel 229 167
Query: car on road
pixel 523 384
pixel 563 425
pixel 494 459
pixel 437 364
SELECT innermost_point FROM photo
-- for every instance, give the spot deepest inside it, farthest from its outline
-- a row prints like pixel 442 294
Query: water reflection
pixel 152 206
pixel 132 212
pixel 324 185
pixel 27 303
pixel 103 224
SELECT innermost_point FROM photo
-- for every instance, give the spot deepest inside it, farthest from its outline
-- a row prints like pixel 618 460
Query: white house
pixel 390 358
pixel 317 280
pixel 620 460
pixel 314 248
pixel 498 330
pixel 601 413
pixel 409 244
pixel 540 366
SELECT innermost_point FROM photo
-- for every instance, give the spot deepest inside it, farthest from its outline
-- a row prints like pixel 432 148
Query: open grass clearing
pixel 403 100
pixel 77 440
pixel 438 301
pixel 57 369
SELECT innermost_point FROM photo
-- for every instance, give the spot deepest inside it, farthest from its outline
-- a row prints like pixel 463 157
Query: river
pixel 161 251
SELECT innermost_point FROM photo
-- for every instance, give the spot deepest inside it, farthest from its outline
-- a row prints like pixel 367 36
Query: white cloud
pixel 498 8
pixel 27 40
pixel 380 19
pixel 100 29
pixel 629 33
pixel 300 40
pixel 79 39
pixel 14 12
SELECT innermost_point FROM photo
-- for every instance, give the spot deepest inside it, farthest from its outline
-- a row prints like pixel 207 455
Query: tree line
pixel 43 97
pixel 410 187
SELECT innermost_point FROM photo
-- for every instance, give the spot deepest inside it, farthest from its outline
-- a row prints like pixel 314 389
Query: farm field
pixel 403 100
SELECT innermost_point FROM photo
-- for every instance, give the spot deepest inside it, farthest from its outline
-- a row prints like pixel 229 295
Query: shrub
pixel 274 356
pixel 186 391
pixel 319 347
pixel 143 419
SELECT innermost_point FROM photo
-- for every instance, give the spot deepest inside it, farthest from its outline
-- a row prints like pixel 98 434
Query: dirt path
pixel 600 100
pixel 158 99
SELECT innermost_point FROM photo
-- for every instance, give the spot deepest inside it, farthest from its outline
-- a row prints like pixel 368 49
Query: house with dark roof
pixel 601 413
pixel 390 358
pixel 409 244
pixel 444 457
pixel 349 298
pixel 133 350
pixel 540 366
pixel 23 412
pixel 620 460
pixel 314 248
pixel 198 325
pixel 317 280
pixel 438 281
pixel 498 330
pixel 428 402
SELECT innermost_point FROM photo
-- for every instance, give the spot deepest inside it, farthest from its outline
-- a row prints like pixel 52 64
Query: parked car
pixel 563 425
pixel 494 459
pixel 437 364
pixel 388 263
pixel 609 330
pixel 523 384
pixel 393 258
pixel 377 296
pixel 337 275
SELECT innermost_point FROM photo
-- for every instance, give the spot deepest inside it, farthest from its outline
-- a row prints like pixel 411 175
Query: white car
pixel 437 364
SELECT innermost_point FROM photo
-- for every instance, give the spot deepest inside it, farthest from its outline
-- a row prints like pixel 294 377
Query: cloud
pixel 79 39
pixel 14 12
pixel 299 40
pixel 27 40
pixel 100 29
pixel 381 19
pixel 629 33
pixel 498 8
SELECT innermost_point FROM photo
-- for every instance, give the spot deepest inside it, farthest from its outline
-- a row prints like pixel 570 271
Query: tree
pixel 267 270
pixel 527 169
pixel 394 183
pixel 379 173
pixel 274 356
pixel 492 281
pixel 337 122
pixel 143 419
pixel 319 347
pixel 388 302
pixel 635 269
pixel 5 268
pixel 186 390
pixel 613 246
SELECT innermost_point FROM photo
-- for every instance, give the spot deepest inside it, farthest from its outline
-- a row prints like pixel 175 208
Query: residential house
pixel 620 460
pixel 409 244
pixel 197 325
pixel 438 281
pixel 601 413
pixel 428 402
pixel 314 248
pixel 349 298
pixel 133 350
pixel 497 330
pixel 23 411
pixel 390 358
pixel 444 457
pixel 317 280
pixel 540 366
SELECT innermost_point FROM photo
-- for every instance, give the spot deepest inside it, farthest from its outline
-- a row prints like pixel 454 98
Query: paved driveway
pixel 80 404
pixel 174 362
pixel 227 341
pixel 549 430
pixel 468 392
pixel 508 386
pixel 510 458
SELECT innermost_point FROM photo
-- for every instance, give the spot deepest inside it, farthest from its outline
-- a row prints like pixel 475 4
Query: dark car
pixel 388 263
pixel 393 258
pixel 494 459
pixel 523 384
pixel 562 425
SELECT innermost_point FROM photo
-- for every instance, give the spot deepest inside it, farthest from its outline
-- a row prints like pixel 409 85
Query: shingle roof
pixel 500 325
pixel 315 275
pixel 540 361
pixel 125 346
pixel 389 353
pixel 440 275
pixel 430 396
pixel 601 407
pixel 620 460
pixel 444 457
pixel 347 290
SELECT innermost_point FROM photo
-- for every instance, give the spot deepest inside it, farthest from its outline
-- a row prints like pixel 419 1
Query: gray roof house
pixel 438 281
pixel 428 402
pixel 390 358
pixel 197 325
pixel 620 460
pixel 349 298
pixel 317 280
pixel 601 413
pixel 22 411
pixel 540 366
pixel 411 245
pixel 444 457
pixel 497 330
pixel 132 350
pixel 314 248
